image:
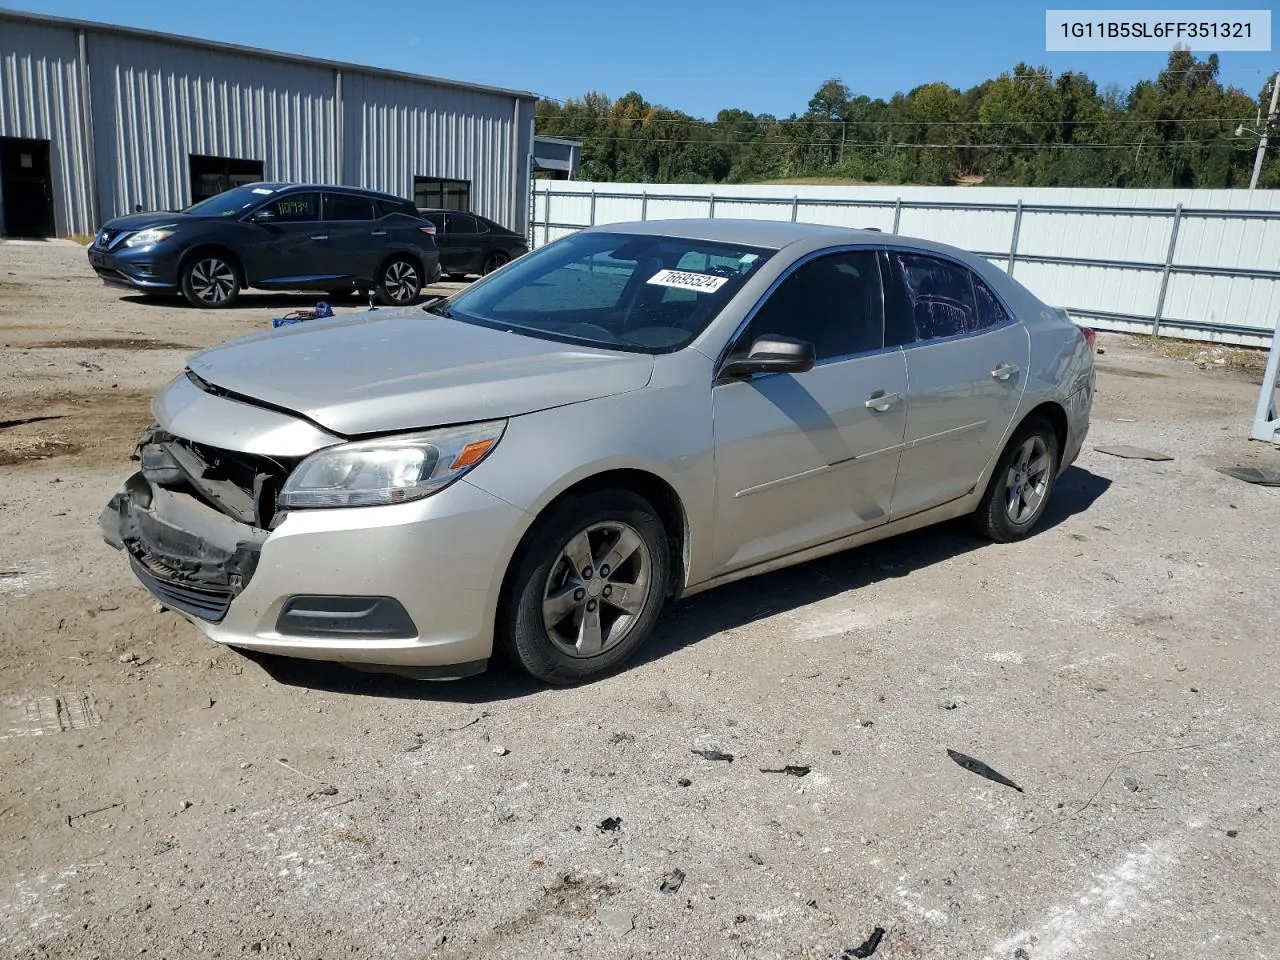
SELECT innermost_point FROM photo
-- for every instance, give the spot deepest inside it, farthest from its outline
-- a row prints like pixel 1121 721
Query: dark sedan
pixel 273 236
pixel 472 244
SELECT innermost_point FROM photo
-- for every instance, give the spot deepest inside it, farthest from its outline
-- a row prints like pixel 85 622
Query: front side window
pixel 833 302
pixel 613 290
pixel 347 206
pixel 934 298
pixel 296 207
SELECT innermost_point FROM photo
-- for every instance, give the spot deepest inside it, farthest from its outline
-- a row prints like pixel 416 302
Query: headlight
pixel 392 470
pixel 145 238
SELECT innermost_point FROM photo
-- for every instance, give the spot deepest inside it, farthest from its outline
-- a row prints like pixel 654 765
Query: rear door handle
pixel 881 401
pixel 1004 371
pixel 378 233
pixel 320 236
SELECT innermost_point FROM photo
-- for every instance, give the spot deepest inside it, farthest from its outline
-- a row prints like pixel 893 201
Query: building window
pixel 211 176
pixel 435 193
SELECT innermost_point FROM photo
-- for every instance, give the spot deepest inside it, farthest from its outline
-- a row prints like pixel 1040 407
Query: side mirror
pixel 772 354
pixel 265 215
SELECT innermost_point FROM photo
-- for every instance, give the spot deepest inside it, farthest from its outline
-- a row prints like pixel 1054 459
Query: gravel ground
pixel 167 797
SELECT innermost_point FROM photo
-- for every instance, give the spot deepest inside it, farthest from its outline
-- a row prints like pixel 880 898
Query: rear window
pixel 640 293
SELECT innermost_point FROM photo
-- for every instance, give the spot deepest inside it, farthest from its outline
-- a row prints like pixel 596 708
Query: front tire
pixel 399 282
pixel 210 281
pixel 588 588
pixel 1021 483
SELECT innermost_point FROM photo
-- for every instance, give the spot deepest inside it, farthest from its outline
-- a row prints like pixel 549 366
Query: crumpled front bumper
pixel 191 557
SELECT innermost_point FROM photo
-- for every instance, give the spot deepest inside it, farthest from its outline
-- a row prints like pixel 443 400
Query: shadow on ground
pixel 708 614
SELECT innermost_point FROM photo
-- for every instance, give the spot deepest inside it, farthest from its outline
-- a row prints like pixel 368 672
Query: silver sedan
pixel 629 415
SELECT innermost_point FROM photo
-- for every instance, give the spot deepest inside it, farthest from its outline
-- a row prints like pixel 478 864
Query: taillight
pixel 1091 338
pixel 430 228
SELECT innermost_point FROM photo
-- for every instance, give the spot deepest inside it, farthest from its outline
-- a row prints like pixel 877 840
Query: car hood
pixel 140 221
pixel 389 370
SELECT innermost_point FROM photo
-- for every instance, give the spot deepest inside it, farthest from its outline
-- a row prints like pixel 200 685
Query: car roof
pixel 769 234
pixel 333 188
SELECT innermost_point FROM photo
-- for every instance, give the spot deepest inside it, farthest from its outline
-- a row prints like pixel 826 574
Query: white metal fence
pixel 1195 264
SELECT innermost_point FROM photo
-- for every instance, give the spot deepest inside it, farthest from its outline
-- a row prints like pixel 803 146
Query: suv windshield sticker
pixel 263 190
pixel 684 280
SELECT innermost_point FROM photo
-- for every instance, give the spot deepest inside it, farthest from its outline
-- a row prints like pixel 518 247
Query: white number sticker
pixel 684 280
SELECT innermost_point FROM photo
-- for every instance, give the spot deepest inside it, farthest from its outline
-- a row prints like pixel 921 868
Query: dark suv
pixel 275 236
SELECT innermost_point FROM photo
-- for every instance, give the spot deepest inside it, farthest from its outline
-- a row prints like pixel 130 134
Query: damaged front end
pixel 193 521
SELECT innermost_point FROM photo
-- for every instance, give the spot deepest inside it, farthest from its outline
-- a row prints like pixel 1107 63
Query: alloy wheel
pixel 597 589
pixel 1028 480
pixel 212 280
pixel 401 281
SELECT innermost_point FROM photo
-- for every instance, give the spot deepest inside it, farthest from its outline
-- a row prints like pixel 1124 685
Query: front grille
pixel 207 603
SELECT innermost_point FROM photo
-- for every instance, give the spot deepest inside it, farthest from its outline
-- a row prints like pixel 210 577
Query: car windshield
pixel 230 203
pixel 648 294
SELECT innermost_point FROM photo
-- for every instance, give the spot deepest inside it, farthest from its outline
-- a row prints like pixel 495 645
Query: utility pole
pixel 1262 143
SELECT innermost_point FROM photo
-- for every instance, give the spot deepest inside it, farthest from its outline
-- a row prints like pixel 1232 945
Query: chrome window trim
pixel 732 341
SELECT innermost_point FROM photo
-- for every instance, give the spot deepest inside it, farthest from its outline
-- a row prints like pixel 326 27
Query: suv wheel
pixel 589 587
pixel 399 283
pixel 210 280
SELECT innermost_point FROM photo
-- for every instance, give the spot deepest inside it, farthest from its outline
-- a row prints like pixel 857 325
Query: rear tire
pixel 587 588
pixel 493 261
pixel 210 281
pixel 1021 483
pixel 399 282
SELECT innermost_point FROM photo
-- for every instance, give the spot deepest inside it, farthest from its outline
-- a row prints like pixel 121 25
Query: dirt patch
pixel 108 343
pixel 1131 373
pixel 19 449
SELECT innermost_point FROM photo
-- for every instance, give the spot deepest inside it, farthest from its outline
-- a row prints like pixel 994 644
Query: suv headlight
pixel 145 238
pixel 391 470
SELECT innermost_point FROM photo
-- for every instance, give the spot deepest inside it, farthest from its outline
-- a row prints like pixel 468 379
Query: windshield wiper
pixel 437 306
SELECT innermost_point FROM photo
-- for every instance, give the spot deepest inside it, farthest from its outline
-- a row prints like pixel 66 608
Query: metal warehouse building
pixel 98 120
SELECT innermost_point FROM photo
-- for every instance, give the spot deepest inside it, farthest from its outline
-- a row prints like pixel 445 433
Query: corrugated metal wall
pixel 40 98
pixel 155 104
pixel 154 101
pixel 1124 296
pixel 396 130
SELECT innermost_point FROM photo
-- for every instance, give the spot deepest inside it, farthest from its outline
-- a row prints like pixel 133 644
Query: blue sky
pixel 758 55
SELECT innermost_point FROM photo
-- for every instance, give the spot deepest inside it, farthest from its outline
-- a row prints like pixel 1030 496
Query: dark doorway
pixel 436 194
pixel 211 176
pixel 26 183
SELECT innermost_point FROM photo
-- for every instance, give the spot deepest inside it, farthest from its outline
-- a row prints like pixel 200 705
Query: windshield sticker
pixel 749 258
pixel 684 280
pixel 263 190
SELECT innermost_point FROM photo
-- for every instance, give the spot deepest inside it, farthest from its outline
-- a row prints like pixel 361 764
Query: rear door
pixel 357 241
pixel 461 250
pixel 966 364
pixel 805 458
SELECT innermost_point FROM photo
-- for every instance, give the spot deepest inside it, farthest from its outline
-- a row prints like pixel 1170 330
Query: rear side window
pixel 296 207
pixel 384 208
pixel 345 206
pixel 931 298
pixel 990 311
pixel 460 223
pixel 833 302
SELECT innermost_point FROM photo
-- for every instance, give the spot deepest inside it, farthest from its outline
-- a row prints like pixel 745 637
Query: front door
pixel 801 459
pixel 966 363
pixel 292 249
pixel 460 244
pixel 26 187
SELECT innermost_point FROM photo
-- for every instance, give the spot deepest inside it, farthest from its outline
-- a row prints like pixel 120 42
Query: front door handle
pixel 881 401
pixel 1004 371
pixel 320 236
pixel 378 233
